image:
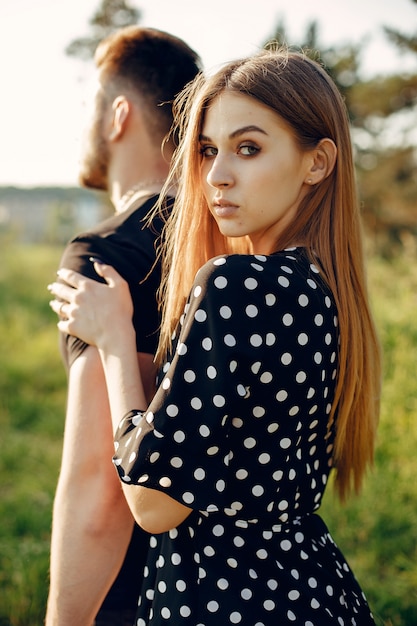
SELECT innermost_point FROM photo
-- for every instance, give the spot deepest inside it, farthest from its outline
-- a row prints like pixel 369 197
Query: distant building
pixel 49 214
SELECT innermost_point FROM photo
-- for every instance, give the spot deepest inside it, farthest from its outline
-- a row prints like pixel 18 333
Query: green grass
pixel 377 531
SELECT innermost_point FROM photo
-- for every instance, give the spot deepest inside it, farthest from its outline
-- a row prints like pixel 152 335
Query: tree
pixel 382 111
pixel 111 15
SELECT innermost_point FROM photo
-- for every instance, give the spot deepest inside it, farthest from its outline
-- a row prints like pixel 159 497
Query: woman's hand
pixel 95 312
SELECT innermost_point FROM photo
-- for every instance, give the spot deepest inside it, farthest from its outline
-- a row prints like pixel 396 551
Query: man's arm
pixel 92 523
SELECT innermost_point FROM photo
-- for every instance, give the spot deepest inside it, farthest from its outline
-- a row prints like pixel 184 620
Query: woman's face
pixel 253 173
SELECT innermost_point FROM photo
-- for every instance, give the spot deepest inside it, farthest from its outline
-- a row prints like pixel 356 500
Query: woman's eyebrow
pixel 236 133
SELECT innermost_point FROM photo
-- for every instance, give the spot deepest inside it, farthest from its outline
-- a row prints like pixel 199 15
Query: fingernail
pixel 94 259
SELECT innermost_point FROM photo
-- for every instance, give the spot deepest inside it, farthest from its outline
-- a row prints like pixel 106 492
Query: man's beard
pixel 94 164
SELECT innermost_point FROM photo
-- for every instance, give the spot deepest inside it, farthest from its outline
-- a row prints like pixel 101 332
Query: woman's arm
pixel 101 315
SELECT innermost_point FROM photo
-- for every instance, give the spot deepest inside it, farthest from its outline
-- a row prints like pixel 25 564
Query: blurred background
pixel 46 49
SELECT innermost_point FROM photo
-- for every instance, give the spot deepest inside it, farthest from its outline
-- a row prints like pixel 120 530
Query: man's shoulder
pixel 126 240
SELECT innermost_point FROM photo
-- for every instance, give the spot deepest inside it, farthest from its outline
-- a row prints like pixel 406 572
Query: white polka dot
pixel 270 299
pixel 283 281
pixel 220 282
pixel 207 344
pixel 230 340
pixel 189 376
pixel 285 443
pixel 251 310
pixel 286 358
pixel 182 349
pixel 255 367
pixel 262 554
pixel 257 267
pixel 211 372
pixel 251 283
pixel 302 339
pixel 197 291
pixel 204 430
pixel 264 458
pixel 235 617
pixel 281 395
pixel 185 611
pixel 176 461
pixel 172 410
pixel 266 377
pixel 196 403
pixel 179 436
pixel 270 339
pixel 301 377
pixel 225 312
pixel 256 340
pixel 318 357
pixel 303 300
pixel 318 319
pixel 199 473
pixel 288 319
pixel 213 606
pixel 220 486
pixel 222 583
pixel 219 401
pixel 200 315
pixel 165 481
pixel 188 497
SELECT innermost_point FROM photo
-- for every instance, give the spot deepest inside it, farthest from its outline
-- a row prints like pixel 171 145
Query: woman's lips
pixel 224 209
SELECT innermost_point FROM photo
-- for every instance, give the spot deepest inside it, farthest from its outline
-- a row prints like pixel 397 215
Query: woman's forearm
pixel 123 378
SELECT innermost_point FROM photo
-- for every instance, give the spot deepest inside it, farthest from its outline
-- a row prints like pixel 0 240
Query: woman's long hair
pixel 328 223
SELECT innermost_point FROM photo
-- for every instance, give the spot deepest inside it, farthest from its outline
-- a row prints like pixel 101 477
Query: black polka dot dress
pixel 238 431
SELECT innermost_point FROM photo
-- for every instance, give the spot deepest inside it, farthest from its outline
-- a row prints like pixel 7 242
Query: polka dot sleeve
pixel 240 374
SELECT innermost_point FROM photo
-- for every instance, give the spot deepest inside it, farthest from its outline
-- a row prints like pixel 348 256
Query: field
pixel 377 531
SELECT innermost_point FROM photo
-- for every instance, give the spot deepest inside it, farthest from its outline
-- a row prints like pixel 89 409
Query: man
pixel 96 560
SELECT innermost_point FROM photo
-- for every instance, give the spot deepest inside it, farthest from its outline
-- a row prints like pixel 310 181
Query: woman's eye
pixel 248 150
pixel 208 151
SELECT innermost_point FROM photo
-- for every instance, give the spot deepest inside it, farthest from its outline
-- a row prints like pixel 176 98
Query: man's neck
pixel 139 191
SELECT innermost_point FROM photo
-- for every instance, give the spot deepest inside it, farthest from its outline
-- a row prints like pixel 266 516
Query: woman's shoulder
pixel 292 270
pixel 291 261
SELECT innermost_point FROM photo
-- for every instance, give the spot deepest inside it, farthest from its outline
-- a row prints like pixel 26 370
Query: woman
pixel 272 375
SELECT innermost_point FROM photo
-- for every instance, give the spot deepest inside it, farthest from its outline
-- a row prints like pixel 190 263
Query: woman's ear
pixel 323 159
pixel 120 109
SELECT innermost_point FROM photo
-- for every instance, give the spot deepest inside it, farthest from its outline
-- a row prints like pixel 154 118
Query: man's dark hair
pixel 150 62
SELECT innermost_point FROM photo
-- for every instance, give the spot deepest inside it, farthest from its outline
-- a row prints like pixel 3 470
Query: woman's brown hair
pixel 328 223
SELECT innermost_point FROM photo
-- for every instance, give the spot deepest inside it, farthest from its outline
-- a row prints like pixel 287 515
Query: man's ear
pixel 121 110
pixel 323 159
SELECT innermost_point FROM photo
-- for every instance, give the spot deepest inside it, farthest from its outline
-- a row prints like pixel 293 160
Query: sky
pixel 42 90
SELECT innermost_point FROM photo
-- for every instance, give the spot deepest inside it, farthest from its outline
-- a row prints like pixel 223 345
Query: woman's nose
pixel 220 174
